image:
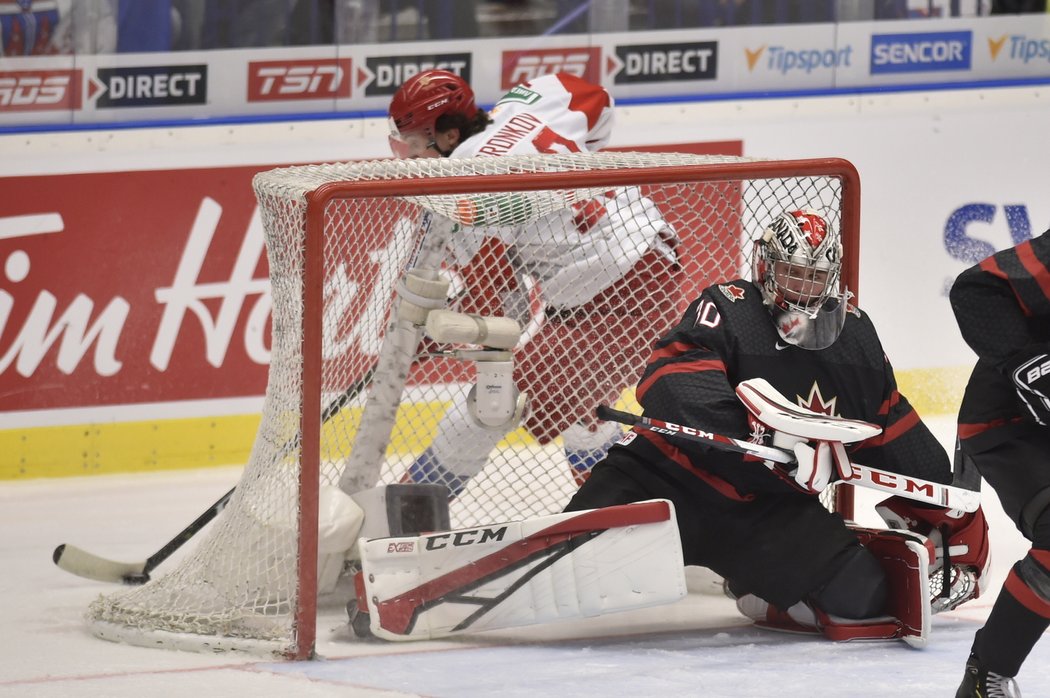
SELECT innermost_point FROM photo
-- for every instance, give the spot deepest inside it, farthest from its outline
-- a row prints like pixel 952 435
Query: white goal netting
pixel 595 255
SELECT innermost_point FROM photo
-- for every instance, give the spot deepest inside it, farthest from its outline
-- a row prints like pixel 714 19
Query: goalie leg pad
pixel 571 565
pixel 905 558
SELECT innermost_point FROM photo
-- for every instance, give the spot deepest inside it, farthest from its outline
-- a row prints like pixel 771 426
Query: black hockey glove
pixel 1032 378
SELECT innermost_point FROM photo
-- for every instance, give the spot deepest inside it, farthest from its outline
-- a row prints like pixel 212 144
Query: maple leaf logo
pixel 733 293
pixel 815 402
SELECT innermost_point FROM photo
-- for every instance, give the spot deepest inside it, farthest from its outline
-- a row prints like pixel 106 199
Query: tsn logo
pixel 304 79
pixel 520 67
pixel 39 90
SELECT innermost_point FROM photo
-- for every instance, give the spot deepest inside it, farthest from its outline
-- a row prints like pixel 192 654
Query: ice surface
pixel 699 646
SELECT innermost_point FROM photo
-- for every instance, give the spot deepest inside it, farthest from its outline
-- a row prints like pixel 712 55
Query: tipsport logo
pixel 1019 47
pixel 784 60
pixel 926 52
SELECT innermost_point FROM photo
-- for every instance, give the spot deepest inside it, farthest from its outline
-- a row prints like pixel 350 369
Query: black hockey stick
pixel 90 566
pixel 947 496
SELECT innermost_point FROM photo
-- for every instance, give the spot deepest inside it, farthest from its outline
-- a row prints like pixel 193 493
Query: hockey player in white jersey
pixel 593 264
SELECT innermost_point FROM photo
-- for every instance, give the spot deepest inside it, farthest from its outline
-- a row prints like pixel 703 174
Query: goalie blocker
pixel 571 565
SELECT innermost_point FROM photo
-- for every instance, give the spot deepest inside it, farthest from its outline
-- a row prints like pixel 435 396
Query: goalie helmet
pixel 797 263
pixel 421 101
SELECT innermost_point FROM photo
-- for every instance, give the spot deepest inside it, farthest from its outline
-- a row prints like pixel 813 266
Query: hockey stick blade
pixel 948 496
pixel 84 564
pixel 90 566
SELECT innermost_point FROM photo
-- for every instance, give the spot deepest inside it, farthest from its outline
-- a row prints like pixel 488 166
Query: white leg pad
pixel 571 565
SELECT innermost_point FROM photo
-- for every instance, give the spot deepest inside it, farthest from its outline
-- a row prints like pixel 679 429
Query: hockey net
pixel 339 238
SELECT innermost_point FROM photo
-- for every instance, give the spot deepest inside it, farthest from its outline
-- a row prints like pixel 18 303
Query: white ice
pixel 699 646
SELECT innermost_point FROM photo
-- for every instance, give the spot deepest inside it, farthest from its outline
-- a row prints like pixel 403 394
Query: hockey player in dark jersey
pixel 791 563
pixel 1002 306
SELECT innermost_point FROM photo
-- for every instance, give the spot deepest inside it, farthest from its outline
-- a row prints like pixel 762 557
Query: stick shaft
pixel 948 496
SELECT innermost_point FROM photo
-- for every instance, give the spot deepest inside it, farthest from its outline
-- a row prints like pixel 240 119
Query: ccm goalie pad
pixel 905 559
pixel 573 565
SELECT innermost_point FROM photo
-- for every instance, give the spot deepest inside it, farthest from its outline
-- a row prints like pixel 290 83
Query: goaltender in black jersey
pixel 790 562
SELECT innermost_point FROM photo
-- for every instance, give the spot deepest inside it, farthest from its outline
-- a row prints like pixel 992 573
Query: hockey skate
pixel 978 682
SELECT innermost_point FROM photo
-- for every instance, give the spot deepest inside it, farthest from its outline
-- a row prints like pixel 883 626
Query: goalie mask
pixel 796 264
pixel 419 103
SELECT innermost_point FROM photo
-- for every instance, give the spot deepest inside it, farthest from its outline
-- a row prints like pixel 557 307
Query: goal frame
pixel 317 202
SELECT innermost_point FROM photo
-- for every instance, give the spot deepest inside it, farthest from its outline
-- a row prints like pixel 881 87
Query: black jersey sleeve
pixel 997 303
pixel 906 444
pixel 685 380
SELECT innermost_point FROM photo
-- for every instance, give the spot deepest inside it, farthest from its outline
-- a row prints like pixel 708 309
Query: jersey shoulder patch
pixel 733 292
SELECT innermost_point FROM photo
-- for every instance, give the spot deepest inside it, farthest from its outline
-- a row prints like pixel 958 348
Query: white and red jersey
pixel 580 251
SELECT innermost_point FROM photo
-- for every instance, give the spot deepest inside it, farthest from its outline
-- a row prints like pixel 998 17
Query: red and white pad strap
pixel 571 565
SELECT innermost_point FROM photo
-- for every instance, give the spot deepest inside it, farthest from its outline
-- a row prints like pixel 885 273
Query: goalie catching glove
pixel 817 440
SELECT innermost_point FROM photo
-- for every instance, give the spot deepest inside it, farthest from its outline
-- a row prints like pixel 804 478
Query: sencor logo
pixel 303 79
pixel 909 53
pixel 522 66
pixel 39 90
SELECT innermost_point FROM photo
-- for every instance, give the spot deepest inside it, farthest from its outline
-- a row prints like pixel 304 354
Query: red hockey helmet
pixel 422 99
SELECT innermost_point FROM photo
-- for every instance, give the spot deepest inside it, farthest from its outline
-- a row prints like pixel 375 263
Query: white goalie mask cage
pixel 797 263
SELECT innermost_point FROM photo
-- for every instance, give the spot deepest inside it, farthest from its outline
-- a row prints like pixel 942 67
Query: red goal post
pixel 339 237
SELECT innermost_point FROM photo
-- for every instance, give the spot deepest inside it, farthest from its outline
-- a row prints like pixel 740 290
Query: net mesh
pixel 640 244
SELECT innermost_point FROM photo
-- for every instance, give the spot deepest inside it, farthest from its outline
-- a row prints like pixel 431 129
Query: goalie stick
pixel 947 496
pixel 90 566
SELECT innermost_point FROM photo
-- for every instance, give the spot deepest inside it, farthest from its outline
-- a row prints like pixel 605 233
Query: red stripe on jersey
pixel 1034 267
pixel 590 100
pixel 671 350
pixel 711 480
pixel 1024 594
pixel 892 431
pixel 991 266
pixel 1042 557
pixel 684 367
pixel 968 431
pixel 889 402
